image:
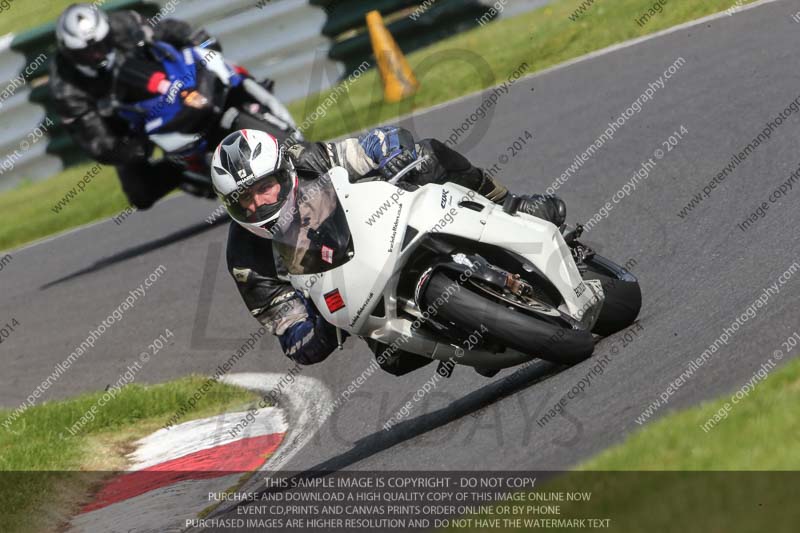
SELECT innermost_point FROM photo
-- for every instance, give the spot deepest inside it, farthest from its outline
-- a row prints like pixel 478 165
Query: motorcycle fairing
pixel 154 115
pixel 373 272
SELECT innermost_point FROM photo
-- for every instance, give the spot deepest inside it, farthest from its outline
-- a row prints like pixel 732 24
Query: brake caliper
pixel 518 286
pixel 495 276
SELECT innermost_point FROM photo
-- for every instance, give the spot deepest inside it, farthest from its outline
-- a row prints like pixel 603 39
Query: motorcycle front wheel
pixel 623 296
pixel 506 325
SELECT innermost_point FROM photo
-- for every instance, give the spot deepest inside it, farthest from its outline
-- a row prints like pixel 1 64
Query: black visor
pixel 94 54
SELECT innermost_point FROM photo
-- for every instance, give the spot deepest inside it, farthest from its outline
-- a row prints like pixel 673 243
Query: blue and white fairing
pixel 154 115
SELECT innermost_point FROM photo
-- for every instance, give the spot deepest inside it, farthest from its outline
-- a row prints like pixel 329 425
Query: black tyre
pixel 623 301
pixel 512 328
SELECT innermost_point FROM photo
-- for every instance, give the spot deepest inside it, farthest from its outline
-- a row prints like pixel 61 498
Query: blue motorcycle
pixel 186 101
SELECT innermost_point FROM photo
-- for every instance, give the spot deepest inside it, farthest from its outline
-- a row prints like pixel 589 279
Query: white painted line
pixel 195 435
pixel 49 238
pixel 174 469
pixel 306 402
pixel 5 42
pixel 70 231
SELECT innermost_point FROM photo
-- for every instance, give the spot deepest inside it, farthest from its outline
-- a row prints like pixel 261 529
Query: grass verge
pixel 488 55
pixel 27 213
pixel 672 476
pixel 40 486
pixel 20 16
pixel 760 433
pixel 460 65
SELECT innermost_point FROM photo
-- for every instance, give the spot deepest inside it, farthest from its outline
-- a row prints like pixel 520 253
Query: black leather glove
pixel 311 160
pixel 392 148
pixel 394 163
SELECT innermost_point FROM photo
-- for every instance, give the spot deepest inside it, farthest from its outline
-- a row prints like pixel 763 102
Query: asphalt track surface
pixel 697 275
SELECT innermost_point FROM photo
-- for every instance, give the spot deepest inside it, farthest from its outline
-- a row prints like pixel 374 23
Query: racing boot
pixel 547 207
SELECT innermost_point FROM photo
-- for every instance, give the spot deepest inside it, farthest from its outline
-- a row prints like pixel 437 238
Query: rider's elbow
pixel 101 150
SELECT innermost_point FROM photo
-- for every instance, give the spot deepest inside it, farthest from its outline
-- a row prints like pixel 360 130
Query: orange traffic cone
pixel 398 79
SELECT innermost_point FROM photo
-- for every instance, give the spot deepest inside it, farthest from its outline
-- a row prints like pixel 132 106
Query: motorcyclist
pixel 91 46
pixel 255 178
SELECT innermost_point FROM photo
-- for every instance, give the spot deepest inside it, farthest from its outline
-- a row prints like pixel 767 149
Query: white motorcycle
pixel 444 273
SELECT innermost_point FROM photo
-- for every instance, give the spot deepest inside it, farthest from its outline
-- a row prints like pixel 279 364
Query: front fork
pixel 580 252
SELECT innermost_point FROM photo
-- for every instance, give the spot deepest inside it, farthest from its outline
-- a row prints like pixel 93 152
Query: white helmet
pixel 246 168
pixel 83 35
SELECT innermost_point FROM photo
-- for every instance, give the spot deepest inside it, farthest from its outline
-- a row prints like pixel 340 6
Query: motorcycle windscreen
pixel 312 235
